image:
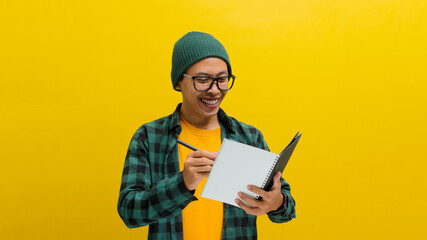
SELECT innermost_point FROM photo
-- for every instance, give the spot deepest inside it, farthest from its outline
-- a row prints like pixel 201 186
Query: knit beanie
pixel 193 47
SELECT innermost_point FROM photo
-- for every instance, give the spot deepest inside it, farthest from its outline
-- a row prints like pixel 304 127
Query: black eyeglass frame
pixel 213 80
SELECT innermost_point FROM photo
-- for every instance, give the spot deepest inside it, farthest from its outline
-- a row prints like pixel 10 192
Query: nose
pixel 214 89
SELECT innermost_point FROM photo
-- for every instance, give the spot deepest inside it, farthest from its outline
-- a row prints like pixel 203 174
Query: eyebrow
pixel 207 74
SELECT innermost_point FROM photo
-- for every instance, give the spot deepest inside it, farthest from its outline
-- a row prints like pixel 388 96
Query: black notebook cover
pixel 285 155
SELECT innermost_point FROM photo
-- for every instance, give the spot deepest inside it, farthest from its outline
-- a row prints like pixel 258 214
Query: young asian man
pixel 162 181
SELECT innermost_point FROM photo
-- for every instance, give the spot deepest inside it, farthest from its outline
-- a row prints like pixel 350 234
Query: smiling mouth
pixel 210 102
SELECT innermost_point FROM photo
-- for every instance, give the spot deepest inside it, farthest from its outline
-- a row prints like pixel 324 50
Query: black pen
pixel 187 145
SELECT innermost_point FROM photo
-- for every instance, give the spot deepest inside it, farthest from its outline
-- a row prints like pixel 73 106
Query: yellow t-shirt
pixel 202 219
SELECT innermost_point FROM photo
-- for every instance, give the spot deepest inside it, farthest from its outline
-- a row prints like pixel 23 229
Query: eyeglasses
pixel 204 83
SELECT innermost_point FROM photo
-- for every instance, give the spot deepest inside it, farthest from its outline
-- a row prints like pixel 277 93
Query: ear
pixel 178 86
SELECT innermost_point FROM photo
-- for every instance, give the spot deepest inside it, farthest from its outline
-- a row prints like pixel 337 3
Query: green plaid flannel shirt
pixel 153 192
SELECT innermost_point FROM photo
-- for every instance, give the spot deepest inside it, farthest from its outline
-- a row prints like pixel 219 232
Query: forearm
pixel 140 206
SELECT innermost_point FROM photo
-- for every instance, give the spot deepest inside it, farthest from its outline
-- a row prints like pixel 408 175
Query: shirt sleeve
pixel 286 212
pixel 142 202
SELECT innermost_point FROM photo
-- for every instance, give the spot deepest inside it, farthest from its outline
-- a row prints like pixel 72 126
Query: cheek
pixel 196 98
pixel 192 97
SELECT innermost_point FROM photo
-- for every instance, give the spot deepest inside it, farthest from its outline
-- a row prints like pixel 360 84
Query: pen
pixel 187 145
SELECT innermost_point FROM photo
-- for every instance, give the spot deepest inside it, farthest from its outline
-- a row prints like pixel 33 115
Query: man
pixel 162 181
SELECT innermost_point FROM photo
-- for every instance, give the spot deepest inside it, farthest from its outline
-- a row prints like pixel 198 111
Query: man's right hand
pixel 197 166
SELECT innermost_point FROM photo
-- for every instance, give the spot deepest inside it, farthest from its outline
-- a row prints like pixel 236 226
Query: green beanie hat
pixel 193 47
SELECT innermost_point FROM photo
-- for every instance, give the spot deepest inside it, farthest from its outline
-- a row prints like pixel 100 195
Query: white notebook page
pixel 237 166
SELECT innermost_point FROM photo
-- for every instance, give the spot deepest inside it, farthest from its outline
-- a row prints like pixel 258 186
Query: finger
pixel 201 169
pixel 244 207
pixel 249 200
pixel 199 161
pixel 277 184
pixel 277 176
pixel 257 191
pixel 202 175
pixel 202 153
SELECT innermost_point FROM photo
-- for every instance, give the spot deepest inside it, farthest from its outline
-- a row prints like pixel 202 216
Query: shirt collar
pixel 222 117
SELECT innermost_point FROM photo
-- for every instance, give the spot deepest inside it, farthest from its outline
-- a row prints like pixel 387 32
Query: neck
pixel 201 122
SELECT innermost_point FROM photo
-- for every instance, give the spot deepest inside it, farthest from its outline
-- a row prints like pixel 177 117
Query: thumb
pixel 276 180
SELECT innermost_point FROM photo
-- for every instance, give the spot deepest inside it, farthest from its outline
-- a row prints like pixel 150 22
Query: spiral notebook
pixel 238 165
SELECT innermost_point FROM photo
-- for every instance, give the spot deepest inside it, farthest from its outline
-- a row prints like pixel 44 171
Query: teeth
pixel 210 102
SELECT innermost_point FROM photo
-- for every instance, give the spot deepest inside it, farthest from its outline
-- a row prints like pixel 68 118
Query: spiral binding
pixel 269 172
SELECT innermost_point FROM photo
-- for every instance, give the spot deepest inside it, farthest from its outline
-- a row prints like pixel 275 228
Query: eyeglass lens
pixel 204 83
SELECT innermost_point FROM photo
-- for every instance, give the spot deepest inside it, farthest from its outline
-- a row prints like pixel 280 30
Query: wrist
pixel 279 205
pixel 187 185
pixel 280 202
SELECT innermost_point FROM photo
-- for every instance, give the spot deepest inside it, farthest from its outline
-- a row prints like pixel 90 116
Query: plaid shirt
pixel 153 192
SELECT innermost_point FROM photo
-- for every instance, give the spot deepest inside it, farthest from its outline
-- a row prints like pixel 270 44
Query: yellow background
pixel 79 77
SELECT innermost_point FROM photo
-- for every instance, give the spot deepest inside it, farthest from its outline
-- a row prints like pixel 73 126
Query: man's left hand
pixel 271 200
